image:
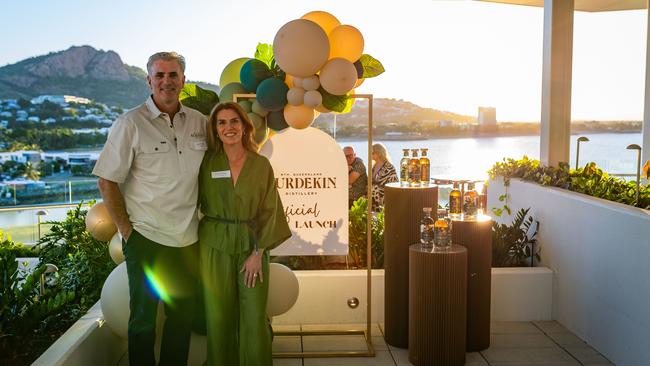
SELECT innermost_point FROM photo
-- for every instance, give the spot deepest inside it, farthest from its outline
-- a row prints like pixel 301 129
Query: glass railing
pixel 30 193
pixel 26 224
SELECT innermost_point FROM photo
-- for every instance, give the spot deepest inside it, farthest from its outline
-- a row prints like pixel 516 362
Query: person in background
pixel 148 172
pixel 357 176
pixel 243 221
pixel 383 172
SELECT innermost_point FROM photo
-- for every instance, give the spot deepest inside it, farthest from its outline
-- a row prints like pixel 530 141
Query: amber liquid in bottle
pixel 404 168
pixel 415 172
pixel 455 203
pixel 470 203
pixel 442 230
pixel 425 167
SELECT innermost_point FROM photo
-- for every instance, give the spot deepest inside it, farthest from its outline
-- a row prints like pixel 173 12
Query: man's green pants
pixel 237 326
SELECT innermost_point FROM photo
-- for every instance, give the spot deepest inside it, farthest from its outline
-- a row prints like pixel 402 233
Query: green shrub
pixel 358 235
pixel 512 245
pixel 589 180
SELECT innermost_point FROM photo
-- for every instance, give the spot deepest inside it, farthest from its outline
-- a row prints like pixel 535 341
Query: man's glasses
pixel 349 155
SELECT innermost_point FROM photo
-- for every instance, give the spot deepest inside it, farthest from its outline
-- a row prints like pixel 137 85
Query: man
pixel 358 179
pixel 148 173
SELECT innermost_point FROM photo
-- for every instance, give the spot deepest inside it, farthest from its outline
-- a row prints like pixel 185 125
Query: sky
pixel 449 55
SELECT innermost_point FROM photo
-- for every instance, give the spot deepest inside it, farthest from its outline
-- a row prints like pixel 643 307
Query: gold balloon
pixel 99 223
pixel 322 109
pixel 346 42
pixel 301 48
pixel 359 82
pixel 324 19
pixel 288 79
pixel 299 117
pixel 338 76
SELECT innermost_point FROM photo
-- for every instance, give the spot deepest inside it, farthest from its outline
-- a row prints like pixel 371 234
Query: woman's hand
pixel 252 268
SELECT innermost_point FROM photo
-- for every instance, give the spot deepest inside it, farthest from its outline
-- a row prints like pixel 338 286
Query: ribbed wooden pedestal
pixel 403 213
pixel 437 306
pixel 476 236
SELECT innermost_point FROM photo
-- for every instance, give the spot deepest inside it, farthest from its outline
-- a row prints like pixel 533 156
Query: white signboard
pixel 312 178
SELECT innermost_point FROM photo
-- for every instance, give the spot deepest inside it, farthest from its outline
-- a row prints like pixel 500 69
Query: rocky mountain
pixel 80 70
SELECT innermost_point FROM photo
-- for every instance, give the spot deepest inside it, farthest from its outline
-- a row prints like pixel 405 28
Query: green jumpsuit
pixel 237 218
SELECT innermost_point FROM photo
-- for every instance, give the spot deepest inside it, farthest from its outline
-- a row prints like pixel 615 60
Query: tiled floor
pixel 511 343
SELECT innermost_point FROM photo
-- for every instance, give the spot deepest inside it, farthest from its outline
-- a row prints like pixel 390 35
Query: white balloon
pixel 313 98
pixel 115 249
pixel 295 95
pixel 311 83
pixel 283 289
pixel 114 301
pixel 297 82
pixel 301 47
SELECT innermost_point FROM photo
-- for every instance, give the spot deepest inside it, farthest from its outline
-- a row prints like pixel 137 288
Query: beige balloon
pixel 301 48
pixel 283 289
pixel 295 96
pixel 338 76
pixel 313 98
pixel 324 19
pixel 114 302
pixel 297 82
pixel 311 83
pixel 346 42
pixel 115 249
pixel 298 117
pixel 99 223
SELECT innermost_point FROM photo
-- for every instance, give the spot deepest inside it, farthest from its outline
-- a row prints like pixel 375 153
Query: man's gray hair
pixel 167 56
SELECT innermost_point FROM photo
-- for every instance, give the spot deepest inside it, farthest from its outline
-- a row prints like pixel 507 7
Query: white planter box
pixel 518 294
pixel 598 251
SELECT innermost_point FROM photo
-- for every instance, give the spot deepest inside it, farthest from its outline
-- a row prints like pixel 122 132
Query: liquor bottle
pixel 425 167
pixel 426 229
pixel 414 169
pixel 470 202
pixel 442 230
pixel 455 203
pixel 404 169
pixel 482 200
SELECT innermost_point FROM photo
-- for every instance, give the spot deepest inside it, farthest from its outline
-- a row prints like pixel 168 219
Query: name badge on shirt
pixel 200 145
pixel 221 174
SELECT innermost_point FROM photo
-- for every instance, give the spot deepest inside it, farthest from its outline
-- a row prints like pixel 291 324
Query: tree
pixel 24 103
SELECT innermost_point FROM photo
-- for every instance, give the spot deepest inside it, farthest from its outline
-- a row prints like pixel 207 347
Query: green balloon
pixel 227 91
pixel 258 109
pixel 230 73
pixel 272 94
pixel 275 120
pixel 247 105
pixel 261 130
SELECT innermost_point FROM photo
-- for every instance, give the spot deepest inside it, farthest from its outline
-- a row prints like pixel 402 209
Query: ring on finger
pixel 254 274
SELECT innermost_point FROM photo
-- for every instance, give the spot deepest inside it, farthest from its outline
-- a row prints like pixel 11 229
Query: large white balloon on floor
pixel 99 223
pixel 114 300
pixel 283 289
pixel 115 249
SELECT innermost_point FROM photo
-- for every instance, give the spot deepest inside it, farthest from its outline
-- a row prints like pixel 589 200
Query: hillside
pixel 80 70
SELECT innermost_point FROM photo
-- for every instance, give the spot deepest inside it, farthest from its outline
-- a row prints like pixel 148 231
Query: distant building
pixel 34 119
pixel 5 114
pixel 21 115
pixel 4 124
pixel 49 120
pixel 445 123
pixel 61 100
pixel 487 116
pixel 21 156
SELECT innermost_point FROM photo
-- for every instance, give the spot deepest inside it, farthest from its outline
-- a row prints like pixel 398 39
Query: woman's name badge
pixel 221 174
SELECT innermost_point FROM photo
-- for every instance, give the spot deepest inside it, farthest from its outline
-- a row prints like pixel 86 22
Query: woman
pixel 244 219
pixel 383 172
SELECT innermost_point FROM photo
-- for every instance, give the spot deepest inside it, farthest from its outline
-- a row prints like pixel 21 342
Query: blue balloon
pixel 252 73
pixel 272 94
